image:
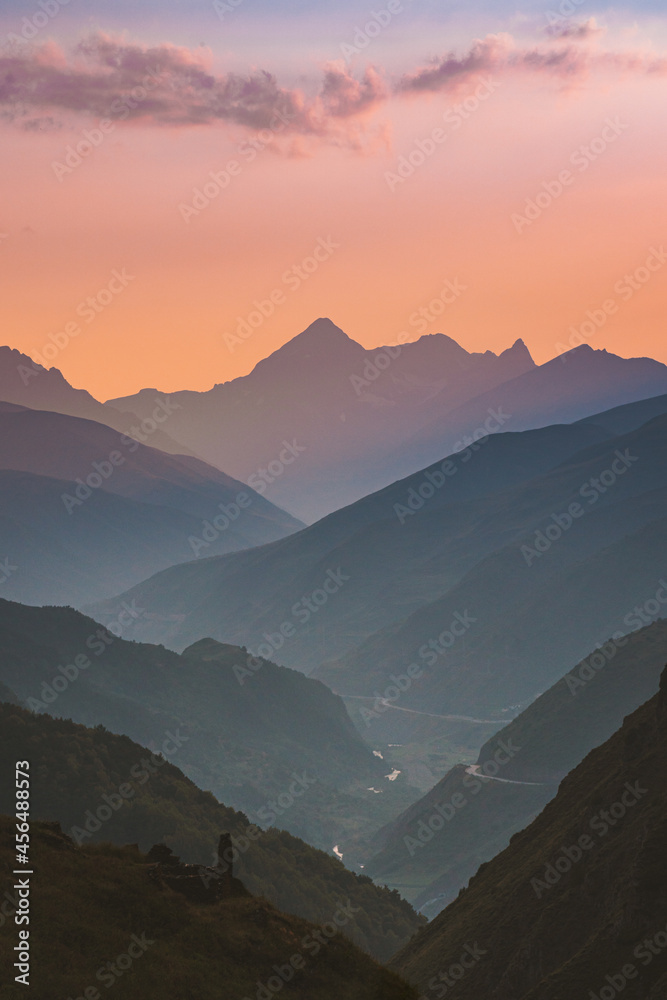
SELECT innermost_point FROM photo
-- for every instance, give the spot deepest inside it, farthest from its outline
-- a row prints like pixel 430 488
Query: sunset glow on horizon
pixel 525 164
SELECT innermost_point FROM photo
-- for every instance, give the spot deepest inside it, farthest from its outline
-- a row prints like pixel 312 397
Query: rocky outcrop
pixel 198 883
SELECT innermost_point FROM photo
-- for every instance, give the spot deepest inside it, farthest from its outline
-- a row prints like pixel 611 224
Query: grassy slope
pixel 87 903
pixel 560 942
pixel 74 767
pixel 552 736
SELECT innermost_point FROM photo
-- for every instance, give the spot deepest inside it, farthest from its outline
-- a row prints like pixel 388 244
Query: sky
pixel 187 186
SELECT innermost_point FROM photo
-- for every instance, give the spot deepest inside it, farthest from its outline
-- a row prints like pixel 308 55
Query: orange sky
pixel 452 219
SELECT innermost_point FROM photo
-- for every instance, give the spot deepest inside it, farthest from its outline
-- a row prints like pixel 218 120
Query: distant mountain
pixel 262 738
pixel 26 383
pixel 65 447
pixel 49 557
pixel 630 416
pixel 358 419
pixel 340 407
pixel 409 563
pixel 590 571
pixel 576 905
pixel 105 913
pixel 568 388
pixel 520 645
pixel 391 565
pixel 75 771
pixel 83 508
pixel 546 741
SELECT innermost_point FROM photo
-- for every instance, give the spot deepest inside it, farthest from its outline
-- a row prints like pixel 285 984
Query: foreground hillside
pixel 97 920
pixel 76 772
pixel 576 906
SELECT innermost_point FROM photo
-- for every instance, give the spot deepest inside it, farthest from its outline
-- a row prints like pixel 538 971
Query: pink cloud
pixel 168 85
pixel 164 84
pixel 342 95
pixel 581 30
pixel 500 54
pixel 173 86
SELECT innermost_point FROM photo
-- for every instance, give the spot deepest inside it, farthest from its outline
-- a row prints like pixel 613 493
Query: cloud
pixel 582 30
pixel 165 84
pixel 500 54
pixel 342 95
pixel 105 76
pixel 168 85
pixel 450 70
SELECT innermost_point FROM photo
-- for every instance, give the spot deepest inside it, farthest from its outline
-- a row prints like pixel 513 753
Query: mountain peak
pixel 321 343
pixel 321 331
pixel 518 348
pixel 585 354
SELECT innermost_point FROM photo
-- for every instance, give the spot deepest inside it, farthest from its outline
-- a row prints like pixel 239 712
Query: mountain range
pixel 419 699
pixel 458 560
pixel 322 421
pixel 364 418
pixel 345 408
pixel 27 383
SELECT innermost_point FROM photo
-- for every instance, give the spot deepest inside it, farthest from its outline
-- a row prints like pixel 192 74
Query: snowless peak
pixel 322 331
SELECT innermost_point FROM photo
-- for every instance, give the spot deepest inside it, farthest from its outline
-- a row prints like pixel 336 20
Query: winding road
pixel 476 768
pixel 431 715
